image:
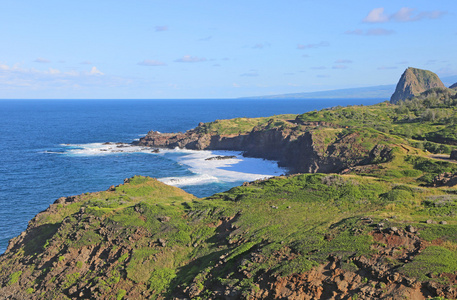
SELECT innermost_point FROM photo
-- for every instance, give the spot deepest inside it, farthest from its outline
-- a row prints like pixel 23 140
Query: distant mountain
pixel 449 80
pixel 380 91
pixel 413 82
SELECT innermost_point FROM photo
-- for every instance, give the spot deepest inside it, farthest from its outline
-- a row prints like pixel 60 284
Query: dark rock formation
pixel 298 151
pixel 453 154
pixel 413 82
pixel 219 157
pixel 445 179
pixel 380 154
pixel 454 86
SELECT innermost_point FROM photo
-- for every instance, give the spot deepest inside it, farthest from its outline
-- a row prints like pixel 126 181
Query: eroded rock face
pixel 413 82
pixel 299 152
pixel 369 278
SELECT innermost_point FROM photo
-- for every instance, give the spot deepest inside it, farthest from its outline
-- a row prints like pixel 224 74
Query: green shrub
pixel 120 294
pixel 160 279
pixel 14 277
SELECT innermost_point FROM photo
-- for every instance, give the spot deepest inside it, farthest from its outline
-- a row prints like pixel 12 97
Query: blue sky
pixel 217 49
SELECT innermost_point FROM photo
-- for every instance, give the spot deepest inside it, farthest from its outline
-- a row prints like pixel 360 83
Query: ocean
pixel 55 148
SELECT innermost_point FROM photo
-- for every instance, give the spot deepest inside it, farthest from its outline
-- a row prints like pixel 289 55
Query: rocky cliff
pixel 301 147
pixel 413 82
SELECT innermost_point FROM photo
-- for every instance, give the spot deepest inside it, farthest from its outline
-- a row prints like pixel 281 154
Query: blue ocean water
pixel 38 138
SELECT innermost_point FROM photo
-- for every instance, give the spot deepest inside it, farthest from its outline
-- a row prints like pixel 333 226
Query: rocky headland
pixel 297 145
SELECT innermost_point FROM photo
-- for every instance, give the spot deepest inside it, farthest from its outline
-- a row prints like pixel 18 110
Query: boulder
pixel 453 154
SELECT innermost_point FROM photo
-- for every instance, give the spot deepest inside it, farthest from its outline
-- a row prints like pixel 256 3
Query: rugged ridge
pixel 413 82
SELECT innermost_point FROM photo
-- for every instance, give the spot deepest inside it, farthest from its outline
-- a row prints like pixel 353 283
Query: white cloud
pixel 376 16
pixel 23 79
pixel 310 46
pixel 379 31
pixel 250 74
pixel 161 28
pixel 42 60
pixel 355 32
pixel 190 59
pixel 343 61
pixel 371 32
pixel 151 63
pixel 339 67
pixel 404 14
pixel 53 71
pixel 261 45
pixel 95 71
pixel 407 14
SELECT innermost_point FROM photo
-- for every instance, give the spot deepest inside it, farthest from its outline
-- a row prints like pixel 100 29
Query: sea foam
pixel 232 168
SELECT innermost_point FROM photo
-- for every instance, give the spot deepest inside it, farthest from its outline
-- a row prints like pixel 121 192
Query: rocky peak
pixel 413 82
pixel 454 86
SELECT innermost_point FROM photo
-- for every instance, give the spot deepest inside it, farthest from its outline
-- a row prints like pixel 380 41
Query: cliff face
pixel 413 82
pixel 304 148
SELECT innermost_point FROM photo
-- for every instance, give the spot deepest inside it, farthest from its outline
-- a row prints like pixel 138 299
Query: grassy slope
pixel 291 214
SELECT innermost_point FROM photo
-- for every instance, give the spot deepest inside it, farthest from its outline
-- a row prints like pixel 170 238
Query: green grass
pixel 434 259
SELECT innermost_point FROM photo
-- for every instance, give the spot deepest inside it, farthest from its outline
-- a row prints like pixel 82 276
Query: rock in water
pixel 413 82
pixel 219 157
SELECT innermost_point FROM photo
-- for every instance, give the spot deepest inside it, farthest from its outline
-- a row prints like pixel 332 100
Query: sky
pixel 168 49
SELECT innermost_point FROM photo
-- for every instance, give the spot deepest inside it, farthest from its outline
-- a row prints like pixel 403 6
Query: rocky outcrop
pixel 454 86
pixel 300 151
pixel 445 179
pixel 413 82
pixel 453 154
